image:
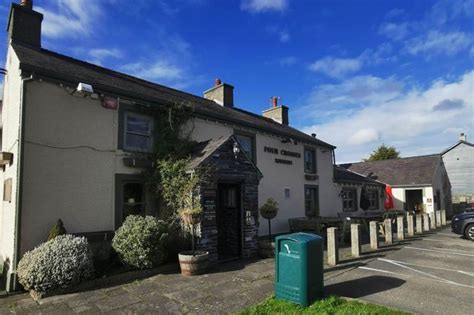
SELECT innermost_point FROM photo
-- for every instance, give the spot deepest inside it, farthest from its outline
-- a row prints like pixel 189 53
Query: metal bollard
pixel 355 240
pixel 400 228
pixel 333 246
pixel 374 237
pixel 388 231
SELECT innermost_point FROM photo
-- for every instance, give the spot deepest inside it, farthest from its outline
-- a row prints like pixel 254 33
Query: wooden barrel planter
pixel 193 263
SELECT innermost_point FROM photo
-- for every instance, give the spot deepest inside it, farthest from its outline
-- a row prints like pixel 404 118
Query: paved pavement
pixel 429 274
pixel 433 273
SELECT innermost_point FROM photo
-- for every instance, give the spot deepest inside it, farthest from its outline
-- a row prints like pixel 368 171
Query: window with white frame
pixel 138 132
pixel 349 199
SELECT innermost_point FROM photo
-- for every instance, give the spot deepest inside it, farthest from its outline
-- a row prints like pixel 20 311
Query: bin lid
pixel 299 237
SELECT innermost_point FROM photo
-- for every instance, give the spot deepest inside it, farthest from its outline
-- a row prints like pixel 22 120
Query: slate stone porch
pixel 226 288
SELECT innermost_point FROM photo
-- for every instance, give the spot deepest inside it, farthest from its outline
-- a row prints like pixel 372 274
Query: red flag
pixel 388 204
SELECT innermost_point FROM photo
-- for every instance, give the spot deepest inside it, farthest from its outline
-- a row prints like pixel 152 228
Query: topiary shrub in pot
pixel 140 242
pixel 60 263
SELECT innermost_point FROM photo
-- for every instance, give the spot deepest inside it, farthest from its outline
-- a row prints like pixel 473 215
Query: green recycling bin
pixel 299 270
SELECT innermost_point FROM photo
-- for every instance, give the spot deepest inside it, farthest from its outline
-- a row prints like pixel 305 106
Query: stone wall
pixel 224 167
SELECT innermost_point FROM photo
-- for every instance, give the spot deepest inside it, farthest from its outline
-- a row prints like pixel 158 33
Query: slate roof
pixel 344 175
pixel 64 68
pixel 410 171
pixel 455 145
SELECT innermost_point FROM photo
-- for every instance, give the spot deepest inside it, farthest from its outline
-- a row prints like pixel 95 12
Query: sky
pixel 358 73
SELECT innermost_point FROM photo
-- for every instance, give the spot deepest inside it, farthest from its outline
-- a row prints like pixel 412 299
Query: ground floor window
pixel 131 198
pixel 373 196
pixel 349 199
pixel 311 198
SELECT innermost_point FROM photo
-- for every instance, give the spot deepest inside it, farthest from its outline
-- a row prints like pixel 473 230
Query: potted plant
pixel 266 248
pixel 193 262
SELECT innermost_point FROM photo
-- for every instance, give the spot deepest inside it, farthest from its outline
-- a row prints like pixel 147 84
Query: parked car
pixel 463 224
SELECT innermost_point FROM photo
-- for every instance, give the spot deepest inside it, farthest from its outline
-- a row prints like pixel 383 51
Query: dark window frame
pixel 376 199
pixel 253 137
pixel 314 169
pixel 316 211
pixel 356 207
pixel 124 109
pixel 120 181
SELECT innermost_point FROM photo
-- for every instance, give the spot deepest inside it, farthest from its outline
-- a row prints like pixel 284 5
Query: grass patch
pixel 328 306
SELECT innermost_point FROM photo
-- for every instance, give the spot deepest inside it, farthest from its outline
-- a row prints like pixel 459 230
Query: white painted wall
pixel 10 143
pixel 70 163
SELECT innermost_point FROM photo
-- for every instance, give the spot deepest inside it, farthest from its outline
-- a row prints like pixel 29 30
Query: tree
pixel 384 152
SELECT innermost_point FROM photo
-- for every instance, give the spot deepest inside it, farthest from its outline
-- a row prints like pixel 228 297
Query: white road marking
pixel 429 267
pixel 440 251
pixel 433 240
pixel 405 275
pixel 448 234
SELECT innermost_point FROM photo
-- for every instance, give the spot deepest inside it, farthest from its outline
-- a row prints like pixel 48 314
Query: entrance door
pixel 228 216
pixel 414 200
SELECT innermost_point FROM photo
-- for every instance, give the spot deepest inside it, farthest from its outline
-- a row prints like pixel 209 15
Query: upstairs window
pixel 309 161
pixel 247 142
pixel 349 199
pixel 138 132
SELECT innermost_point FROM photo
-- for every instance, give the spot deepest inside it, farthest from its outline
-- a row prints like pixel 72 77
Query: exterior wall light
pixel 236 149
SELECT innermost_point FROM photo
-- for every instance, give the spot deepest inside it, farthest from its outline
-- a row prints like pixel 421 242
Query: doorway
pixel 414 200
pixel 229 222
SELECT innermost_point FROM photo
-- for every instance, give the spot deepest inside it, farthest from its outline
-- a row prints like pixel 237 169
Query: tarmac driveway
pixel 429 274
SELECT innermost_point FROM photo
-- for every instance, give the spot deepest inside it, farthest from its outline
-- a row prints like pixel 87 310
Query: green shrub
pixel 140 241
pixel 59 263
pixel 56 230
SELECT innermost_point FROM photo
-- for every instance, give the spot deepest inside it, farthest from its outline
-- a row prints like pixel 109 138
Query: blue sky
pixel 356 73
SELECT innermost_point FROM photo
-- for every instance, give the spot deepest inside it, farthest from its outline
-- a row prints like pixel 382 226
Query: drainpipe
pixel 12 280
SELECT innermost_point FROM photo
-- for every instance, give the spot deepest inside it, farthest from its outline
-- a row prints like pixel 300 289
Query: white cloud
pixel 394 31
pixel 103 53
pixel 388 112
pixel 439 43
pixel 336 67
pixel 154 71
pixel 69 18
pixel 257 6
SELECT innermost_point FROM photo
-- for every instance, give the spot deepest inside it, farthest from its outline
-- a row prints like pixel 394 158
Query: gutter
pixel 12 280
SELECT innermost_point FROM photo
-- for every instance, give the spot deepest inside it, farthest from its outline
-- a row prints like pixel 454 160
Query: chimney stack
pixel 463 137
pixel 221 93
pixel 278 113
pixel 24 24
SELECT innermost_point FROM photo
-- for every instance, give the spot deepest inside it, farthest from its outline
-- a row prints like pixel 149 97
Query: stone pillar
pixel 410 228
pixel 438 218
pixel 426 222
pixel 432 221
pixel 388 231
pixel 374 236
pixel 355 240
pixel 419 224
pixel 333 246
pixel 443 217
pixel 400 228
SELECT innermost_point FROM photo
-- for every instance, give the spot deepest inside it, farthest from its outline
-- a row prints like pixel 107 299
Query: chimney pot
pixel 462 137
pixel 313 135
pixel 274 101
pixel 27 4
pixel 217 82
